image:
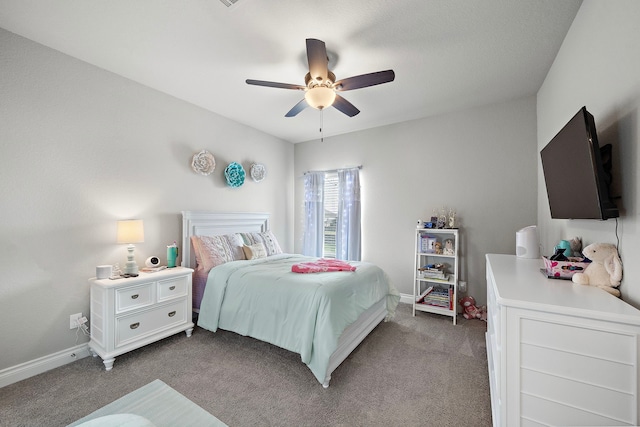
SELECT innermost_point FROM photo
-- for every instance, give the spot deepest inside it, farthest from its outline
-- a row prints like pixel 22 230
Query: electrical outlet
pixel 73 320
pixel 463 286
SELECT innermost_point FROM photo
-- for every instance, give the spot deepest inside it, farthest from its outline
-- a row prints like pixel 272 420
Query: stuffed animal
pixel 448 247
pixel 605 270
pixel 470 311
pixel 576 246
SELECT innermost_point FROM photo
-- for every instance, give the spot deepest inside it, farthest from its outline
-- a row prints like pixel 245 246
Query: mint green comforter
pixel 303 313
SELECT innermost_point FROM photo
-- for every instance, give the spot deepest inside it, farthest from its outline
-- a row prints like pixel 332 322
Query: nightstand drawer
pixel 134 297
pixel 172 288
pixel 134 326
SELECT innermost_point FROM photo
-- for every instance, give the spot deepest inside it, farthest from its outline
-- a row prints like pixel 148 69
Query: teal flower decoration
pixel 235 174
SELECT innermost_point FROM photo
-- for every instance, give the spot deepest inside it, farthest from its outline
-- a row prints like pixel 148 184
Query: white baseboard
pixel 406 298
pixel 34 367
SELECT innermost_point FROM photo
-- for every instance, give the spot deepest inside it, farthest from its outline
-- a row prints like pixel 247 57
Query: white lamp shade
pixel 320 97
pixel 130 231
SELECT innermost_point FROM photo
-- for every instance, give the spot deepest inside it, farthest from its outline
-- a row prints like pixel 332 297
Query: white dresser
pixel 130 313
pixel 559 354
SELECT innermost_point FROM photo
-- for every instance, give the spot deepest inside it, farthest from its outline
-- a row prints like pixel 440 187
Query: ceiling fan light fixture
pixel 320 84
pixel 320 97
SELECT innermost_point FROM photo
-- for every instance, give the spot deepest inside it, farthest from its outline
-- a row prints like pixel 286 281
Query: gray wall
pixel 598 66
pixel 482 162
pixel 82 148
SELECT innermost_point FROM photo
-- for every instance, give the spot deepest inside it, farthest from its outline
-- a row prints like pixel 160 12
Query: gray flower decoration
pixel 258 172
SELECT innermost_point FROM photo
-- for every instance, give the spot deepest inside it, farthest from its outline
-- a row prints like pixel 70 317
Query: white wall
pixel 482 162
pixel 82 148
pixel 598 66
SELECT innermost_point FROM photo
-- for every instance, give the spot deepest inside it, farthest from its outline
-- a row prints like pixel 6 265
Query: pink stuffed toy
pixel 470 311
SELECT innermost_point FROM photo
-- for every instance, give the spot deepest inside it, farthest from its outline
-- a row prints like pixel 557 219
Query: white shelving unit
pixel 426 254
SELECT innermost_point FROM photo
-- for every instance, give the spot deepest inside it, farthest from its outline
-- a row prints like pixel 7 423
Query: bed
pixel 247 287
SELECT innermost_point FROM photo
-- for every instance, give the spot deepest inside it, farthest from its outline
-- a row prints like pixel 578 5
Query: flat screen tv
pixel 577 172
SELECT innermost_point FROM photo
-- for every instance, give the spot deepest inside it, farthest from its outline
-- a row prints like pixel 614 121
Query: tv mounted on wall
pixel 577 172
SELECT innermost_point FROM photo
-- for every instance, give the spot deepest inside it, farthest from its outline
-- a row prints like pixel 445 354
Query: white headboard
pixel 216 223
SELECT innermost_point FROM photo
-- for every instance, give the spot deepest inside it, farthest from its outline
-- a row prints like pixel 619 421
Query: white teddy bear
pixel 605 270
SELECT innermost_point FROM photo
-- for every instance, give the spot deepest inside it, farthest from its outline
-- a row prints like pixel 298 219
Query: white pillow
pixel 255 251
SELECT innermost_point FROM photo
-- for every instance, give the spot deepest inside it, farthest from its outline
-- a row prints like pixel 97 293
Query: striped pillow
pixel 215 250
pixel 267 238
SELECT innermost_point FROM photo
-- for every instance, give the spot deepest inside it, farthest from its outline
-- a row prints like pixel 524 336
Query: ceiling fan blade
pixel 345 106
pixel 297 108
pixel 318 60
pixel 274 84
pixel 365 80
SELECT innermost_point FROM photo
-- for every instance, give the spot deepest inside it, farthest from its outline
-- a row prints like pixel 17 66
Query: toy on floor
pixel 470 311
pixel 605 270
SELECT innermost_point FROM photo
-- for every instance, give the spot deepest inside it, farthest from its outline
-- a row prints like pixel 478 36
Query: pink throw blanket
pixel 321 266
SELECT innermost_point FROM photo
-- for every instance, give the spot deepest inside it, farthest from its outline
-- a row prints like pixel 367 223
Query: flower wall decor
pixel 235 174
pixel 258 172
pixel 203 163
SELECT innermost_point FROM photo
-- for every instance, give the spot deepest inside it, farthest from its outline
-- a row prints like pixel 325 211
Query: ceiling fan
pixel 321 85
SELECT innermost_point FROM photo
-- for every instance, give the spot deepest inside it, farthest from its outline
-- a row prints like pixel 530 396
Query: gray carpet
pixel 411 371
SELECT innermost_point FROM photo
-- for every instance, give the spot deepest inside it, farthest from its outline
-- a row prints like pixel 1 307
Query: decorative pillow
pixel 266 238
pixel 211 251
pixel 255 251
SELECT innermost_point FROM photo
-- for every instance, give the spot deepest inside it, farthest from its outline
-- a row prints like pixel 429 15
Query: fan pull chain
pixel 321 125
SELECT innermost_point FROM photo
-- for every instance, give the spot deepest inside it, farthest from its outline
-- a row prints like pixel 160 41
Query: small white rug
pixel 155 404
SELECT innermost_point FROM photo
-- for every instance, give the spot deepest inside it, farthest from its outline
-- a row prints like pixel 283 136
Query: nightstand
pixel 130 313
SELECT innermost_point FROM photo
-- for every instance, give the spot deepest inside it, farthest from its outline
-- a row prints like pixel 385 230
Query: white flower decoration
pixel 203 162
pixel 258 172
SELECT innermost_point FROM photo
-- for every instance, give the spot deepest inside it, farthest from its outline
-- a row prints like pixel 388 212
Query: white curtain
pixel 348 234
pixel 313 238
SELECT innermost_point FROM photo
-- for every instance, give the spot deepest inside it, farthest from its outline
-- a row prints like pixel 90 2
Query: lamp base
pixel 130 267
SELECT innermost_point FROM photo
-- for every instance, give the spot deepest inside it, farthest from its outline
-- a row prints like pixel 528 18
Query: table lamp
pixel 130 231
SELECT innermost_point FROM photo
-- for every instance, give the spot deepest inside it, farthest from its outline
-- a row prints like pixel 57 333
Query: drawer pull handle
pixel 172 288
pixel 171 314
pixel 134 296
pixel 134 325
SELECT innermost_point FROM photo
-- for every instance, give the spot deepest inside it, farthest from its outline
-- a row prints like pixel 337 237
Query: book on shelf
pixel 434 274
pixel 444 279
pixel 439 297
pixel 433 271
pixel 420 297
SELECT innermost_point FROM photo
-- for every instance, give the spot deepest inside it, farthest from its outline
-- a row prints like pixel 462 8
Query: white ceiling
pixel 447 54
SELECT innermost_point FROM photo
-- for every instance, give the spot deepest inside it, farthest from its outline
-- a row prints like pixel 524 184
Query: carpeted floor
pixel 419 370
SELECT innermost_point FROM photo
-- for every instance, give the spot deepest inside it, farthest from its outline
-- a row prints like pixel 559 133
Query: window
pixel 332 214
pixel 330 220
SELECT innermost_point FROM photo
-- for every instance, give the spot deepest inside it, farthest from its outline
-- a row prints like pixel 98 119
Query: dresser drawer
pixel 134 326
pixel 133 297
pixel 172 288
